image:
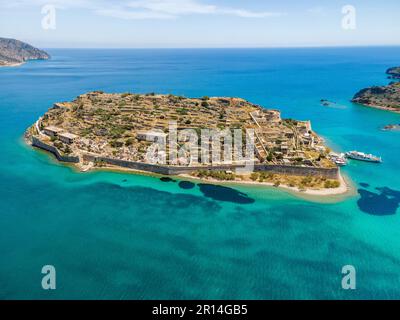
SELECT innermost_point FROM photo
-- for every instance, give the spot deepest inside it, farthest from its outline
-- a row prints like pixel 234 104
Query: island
pixel 14 53
pixel 392 127
pixel 116 131
pixel 326 103
pixel 380 97
pixel 393 73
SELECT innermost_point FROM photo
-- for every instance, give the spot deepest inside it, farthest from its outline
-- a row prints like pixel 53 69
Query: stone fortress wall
pixel 330 173
pixel 39 144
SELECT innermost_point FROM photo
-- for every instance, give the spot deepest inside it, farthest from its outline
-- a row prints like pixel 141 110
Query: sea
pixel 113 235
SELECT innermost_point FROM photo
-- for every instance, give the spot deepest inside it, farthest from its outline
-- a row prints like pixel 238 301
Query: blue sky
pixel 200 23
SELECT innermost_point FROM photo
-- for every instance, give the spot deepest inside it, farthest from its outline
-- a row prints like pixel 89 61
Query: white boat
pixel 356 155
pixel 339 159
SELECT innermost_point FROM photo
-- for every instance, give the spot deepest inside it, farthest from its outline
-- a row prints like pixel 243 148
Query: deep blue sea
pixel 123 236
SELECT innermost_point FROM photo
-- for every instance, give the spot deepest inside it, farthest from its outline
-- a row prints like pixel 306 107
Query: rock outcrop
pixel 394 73
pixel 384 97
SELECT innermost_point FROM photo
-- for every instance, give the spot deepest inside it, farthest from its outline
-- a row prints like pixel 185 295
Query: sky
pixel 200 23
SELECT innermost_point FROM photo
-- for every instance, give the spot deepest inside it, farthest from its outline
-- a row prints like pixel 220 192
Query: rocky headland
pixel 393 73
pixel 381 97
pixel 14 52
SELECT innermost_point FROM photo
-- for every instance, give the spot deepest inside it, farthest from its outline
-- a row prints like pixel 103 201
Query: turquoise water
pixel 120 236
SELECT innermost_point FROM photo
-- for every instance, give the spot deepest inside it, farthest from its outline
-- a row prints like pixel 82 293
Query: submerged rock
pixel 186 185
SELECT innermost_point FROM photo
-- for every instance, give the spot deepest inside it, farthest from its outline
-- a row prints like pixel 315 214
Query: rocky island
pixel 393 73
pixel 380 97
pixel 392 127
pixel 14 52
pixel 112 130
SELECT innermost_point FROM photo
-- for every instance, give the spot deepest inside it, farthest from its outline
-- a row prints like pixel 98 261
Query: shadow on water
pixel 382 203
pixel 122 198
pixel 215 192
pixel 364 184
pixel 221 193
pixel 186 185
pixel 167 179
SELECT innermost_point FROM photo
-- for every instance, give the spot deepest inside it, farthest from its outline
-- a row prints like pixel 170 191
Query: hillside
pixel 381 97
pixel 14 52
pixel 113 124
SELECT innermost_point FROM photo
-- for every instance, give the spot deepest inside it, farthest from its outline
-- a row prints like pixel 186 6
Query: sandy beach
pixel 12 64
pixel 344 189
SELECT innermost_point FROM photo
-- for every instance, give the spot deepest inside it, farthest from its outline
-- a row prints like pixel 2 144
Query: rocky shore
pixel 381 97
pixel 392 127
pixel 393 73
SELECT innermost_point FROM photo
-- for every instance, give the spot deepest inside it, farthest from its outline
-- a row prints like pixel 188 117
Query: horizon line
pixel 233 47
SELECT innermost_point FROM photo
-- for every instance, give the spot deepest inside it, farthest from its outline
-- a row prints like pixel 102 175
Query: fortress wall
pixel 39 144
pixel 330 173
pixel 129 164
pixel 161 169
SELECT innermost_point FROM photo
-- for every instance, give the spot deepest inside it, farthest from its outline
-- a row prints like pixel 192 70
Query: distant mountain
pixel 15 52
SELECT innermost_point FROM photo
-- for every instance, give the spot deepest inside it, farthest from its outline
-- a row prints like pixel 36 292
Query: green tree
pixel 254 176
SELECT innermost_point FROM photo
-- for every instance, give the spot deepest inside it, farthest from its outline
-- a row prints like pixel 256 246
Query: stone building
pixel 52 131
pixel 67 137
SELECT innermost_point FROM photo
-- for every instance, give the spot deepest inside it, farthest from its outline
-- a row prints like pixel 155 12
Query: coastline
pixel 345 189
pixel 335 195
pixel 17 64
pixel 395 110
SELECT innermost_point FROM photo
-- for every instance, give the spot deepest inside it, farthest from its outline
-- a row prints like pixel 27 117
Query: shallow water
pixel 116 235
